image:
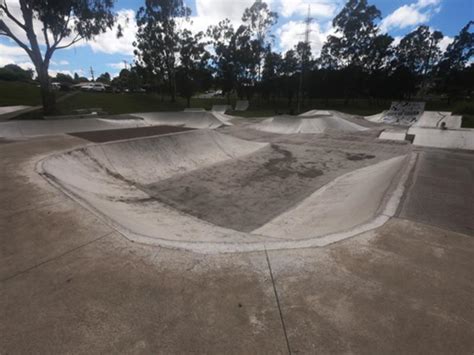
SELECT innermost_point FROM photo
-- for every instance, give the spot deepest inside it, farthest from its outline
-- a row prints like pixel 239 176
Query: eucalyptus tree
pixel 357 37
pixel 158 38
pixel 460 51
pixel 259 19
pixel 193 72
pixel 419 50
pixel 42 27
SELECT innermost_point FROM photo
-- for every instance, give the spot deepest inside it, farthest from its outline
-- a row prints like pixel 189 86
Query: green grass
pixel 18 93
pixel 130 102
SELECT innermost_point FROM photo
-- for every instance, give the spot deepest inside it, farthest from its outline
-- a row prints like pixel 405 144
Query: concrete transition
pixel 34 128
pixel 186 119
pixel 394 134
pixel 111 180
pixel 310 122
pixel 451 139
pixel 221 108
pixel 242 105
pixel 195 109
pixel 434 119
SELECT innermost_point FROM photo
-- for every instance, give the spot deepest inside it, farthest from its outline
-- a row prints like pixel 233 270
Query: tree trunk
pixel 47 95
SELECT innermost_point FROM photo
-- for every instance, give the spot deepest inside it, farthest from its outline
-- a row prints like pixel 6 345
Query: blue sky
pixel 107 53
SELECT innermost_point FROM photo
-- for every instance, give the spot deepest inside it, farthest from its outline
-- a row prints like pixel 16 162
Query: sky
pixel 106 53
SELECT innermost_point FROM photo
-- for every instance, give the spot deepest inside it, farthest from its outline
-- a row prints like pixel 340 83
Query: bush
pixel 464 108
pixel 12 72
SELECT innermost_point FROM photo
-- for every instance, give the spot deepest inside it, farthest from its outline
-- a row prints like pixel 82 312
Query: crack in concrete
pixel 278 303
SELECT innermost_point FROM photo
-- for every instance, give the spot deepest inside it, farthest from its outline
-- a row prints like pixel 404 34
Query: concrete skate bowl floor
pixel 210 192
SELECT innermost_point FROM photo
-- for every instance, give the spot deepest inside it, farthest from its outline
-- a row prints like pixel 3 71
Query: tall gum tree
pixel 41 27
pixel 158 38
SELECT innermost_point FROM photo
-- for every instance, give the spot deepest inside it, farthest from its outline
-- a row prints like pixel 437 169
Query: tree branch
pixel 46 39
pixel 75 40
pixel 4 7
pixel 7 32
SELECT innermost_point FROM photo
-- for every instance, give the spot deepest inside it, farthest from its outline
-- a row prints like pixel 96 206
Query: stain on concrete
pixel 359 156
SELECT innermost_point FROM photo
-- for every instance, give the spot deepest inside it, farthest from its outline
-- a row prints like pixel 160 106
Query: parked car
pixel 94 87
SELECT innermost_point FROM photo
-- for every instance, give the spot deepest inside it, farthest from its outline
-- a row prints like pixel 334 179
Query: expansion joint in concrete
pixel 54 258
pixel 278 303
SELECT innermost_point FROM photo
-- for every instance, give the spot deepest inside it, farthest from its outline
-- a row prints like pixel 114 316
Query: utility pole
pixel 125 63
pixel 307 32
pixel 92 74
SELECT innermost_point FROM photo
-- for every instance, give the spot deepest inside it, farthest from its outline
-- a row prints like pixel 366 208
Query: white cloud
pixel 445 42
pixel 318 8
pixel 119 65
pixel 410 15
pixel 217 10
pixel 60 62
pixel 12 55
pixel 109 43
pixel 53 73
pixel 292 32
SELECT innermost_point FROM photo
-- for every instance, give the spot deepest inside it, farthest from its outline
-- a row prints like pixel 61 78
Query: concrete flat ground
pixel 69 283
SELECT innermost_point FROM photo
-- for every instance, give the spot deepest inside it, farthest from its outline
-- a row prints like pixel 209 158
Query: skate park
pixel 238 211
pixel 236 177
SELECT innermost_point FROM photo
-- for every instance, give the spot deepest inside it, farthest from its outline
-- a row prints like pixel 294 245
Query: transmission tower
pixel 307 32
pixel 92 73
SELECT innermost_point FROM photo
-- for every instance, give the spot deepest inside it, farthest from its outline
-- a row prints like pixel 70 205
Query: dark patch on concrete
pixel 246 193
pixel 359 156
pixel 127 133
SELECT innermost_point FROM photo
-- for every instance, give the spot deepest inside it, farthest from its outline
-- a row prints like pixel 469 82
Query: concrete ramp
pixel 377 118
pixel 450 138
pixel 242 105
pixel 315 124
pixel 200 120
pixel 221 108
pixel 112 180
pixel 106 179
pixel 435 119
pixel 312 113
pixel 350 200
pixel 194 109
pixel 34 128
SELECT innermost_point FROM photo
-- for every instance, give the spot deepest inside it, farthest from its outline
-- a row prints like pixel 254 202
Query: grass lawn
pixel 130 102
pixel 18 93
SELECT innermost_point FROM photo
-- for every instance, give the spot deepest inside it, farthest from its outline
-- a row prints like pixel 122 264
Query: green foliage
pixel 357 43
pixel 64 78
pixel 158 38
pixel 104 78
pixel 194 72
pixel 418 51
pixel 12 72
pixel 60 20
pixel 460 51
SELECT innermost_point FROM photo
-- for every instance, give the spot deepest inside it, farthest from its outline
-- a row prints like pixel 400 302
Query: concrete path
pixel 71 284
pixel 441 191
pixel 7 112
